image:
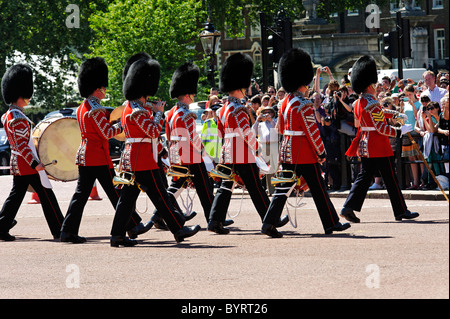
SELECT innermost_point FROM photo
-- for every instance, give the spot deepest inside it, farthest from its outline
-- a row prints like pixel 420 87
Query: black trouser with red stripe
pixel 362 183
pixel 249 173
pixel 312 173
pixel 49 203
pixel 152 183
pixel 202 186
pixel 86 178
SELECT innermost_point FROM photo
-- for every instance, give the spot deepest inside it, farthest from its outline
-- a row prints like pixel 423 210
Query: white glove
pixel 406 128
pixel 403 116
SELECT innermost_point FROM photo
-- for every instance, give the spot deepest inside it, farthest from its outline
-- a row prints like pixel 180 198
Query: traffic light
pixel 275 45
pixel 391 44
pixel 406 39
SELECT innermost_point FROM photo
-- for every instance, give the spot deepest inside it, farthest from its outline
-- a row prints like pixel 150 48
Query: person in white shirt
pixel 436 93
pixel 265 129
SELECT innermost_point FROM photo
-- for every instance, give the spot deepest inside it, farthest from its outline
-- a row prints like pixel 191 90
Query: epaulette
pixel 239 107
pixel 371 101
pixel 137 109
pixel 95 106
pixel 18 115
pixel 187 114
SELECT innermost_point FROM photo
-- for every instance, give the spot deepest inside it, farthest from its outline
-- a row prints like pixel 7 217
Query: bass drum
pixel 58 139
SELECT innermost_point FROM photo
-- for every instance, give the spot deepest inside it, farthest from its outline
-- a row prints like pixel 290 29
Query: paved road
pixel 378 258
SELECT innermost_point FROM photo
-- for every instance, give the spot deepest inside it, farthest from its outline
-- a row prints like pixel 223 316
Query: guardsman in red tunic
pixel 17 89
pixel 372 145
pixel 240 146
pixel 186 148
pixel 93 159
pixel 302 150
pixel 140 157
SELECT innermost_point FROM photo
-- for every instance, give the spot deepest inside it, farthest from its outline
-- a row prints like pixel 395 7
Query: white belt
pixel 368 129
pixel 294 133
pixel 138 140
pixel 178 138
pixel 231 135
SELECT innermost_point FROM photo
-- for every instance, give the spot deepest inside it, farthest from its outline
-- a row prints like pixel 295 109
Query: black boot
pixel 7 237
pixel 217 227
pixel 407 215
pixel 186 232
pixel 270 231
pixel 349 215
pixel 189 217
pixel 117 241
pixel 140 229
pixel 283 221
pixel 337 227
pixel 72 238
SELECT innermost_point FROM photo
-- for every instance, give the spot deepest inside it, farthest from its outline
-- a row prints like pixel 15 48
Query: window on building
pixel 353 12
pixel 394 5
pixel 439 43
pixel 438 4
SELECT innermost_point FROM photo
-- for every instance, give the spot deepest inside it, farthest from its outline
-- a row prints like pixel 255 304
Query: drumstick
pixel 54 162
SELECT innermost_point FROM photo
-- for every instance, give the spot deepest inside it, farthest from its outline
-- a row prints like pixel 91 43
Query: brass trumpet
pixel 223 172
pixel 280 179
pixel 179 171
pixel 123 180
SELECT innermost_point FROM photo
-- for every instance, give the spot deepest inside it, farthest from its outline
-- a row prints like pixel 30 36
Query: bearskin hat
pixel 236 73
pixel 17 83
pixel 295 70
pixel 93 75
pixel 364 73
pixel 142 79
pixel 131 60
pixel 184 80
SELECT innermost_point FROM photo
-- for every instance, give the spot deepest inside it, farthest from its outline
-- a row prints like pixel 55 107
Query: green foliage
pixel 166 29
pixel 37 30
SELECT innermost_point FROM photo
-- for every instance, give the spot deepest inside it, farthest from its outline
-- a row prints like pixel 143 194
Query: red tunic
pixel 18 130
pixel 185 144
pixel 142 130
pixel 302 143
pixel 96 131
pixel 240 143
pixel 373 135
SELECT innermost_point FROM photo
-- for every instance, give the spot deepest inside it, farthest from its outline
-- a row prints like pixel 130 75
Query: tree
pixel 37 33
pixel 166 29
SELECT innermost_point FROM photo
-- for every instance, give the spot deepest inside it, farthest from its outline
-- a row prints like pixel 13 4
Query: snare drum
pixel 58 139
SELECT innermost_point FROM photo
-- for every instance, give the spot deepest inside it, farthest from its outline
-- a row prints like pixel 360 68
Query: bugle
pixel 284 176
pixel 123 179
pixel 223 172
pixel 179 171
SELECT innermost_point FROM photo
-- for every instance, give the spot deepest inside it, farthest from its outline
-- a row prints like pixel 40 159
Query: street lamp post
pixel 210 39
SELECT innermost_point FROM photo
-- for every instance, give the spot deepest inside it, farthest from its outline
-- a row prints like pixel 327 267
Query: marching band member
pixel 186 148
pixel 17 89
pixel 240 143
pixel 302 150
pixel 372 145
pixel 156 219
pixel 139 158
pixel 93 159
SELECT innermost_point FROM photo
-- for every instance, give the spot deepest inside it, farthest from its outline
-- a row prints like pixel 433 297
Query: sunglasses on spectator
pixel 431 108
pixel 424 100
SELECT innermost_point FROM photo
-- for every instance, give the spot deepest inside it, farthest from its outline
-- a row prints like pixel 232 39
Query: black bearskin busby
pixel 295 70
pixel 92 76
pixel 184 80
pixel 131 60
pixel 364 73
pixel 17 83
pixel 236 73
pixel 142 79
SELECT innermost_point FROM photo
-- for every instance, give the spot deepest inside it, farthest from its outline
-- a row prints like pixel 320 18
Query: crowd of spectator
pixel 425 103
